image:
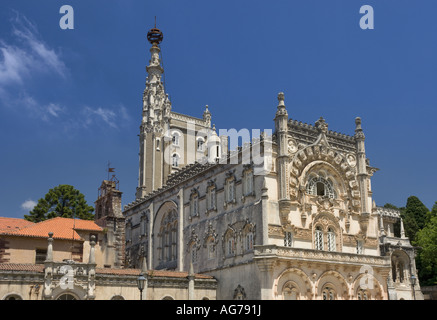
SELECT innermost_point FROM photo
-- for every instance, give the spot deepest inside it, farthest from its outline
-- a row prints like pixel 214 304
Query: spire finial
pixel 155 36
pixel 281 98
pixel 359 134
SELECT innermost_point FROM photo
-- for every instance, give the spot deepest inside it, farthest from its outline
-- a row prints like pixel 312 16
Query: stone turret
pixel 109 216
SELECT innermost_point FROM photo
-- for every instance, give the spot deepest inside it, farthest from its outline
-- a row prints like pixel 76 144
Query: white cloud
pixel 111 117
pixel 28 55
pixel 28 205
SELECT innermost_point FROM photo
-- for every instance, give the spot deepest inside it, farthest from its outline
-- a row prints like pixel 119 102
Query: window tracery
pixel 319 186
pixel 328 293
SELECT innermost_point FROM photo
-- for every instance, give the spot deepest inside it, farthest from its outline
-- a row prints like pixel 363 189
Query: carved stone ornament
pixel 351 160
pixel 292 147
pixel 325 204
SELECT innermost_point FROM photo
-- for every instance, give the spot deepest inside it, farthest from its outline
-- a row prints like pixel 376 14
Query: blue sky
pixel 70 100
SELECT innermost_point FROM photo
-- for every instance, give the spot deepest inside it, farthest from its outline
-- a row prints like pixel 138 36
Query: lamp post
pixel 141 280
pixel 413 283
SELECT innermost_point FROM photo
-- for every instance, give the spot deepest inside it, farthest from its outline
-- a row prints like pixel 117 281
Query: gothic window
pixel 66 296
pixel 128 231
pixel 13 297
pixel 230 247
pixel 239 293
pixel 194 203
pixel 193 251
pixel 211 198
pixel 328 293
pixel 363 295
pixel 158 144
pixel 288 238
pixel 167 237
pixel 248 182
pixel 230 190
pixel 143 225
pixel 249 241
pixel 174 242
pixel 319 186
pixel 210 246
pixel 331 240
pixel 290 292
pixel 175 160
pixel 319 238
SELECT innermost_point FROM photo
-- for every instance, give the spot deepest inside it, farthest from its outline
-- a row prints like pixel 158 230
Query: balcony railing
pixel 311 255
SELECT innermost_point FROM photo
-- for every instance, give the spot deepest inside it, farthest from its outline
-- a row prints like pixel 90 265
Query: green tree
pixel 414 216
pixel 427 257
pixel 61 201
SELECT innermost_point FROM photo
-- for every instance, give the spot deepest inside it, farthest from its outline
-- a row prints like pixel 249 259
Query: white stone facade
pixel 303 227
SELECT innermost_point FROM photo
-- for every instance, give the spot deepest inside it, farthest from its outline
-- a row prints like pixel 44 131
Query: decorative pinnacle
pixel 281 98
pixel 358 130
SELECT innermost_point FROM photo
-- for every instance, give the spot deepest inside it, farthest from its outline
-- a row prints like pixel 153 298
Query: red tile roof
pixel 62 228
pixel 22 267
pixel 111 271
pixel 8 224
pixel 150 273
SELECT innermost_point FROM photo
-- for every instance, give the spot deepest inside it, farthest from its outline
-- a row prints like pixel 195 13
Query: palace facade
pixel 299 224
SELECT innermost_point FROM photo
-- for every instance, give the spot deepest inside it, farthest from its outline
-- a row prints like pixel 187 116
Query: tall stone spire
pixel 362 175
pixel 155 122
pixel 281 128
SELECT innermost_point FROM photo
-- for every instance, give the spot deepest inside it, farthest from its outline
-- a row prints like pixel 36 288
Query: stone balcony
pixel 317 256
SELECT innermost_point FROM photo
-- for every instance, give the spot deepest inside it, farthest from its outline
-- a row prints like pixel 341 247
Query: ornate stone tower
pixel 281 129
pixel 153 168
pixel 109 216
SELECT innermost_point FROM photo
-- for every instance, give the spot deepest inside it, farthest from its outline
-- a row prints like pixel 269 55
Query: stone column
pixel 92 270
pixel 181 230
pixel 48 270
pixel 264 208
pixel 191 278
pixel 266 267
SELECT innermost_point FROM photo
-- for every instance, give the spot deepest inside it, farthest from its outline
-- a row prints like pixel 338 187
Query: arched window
pixel 167 237
pixel 249 241
pixel 13 297
pixel 200 144
pixel 290 292
pixel 193 251
pixel 363 295
pixel 230 190
pixel 194 205
pixel 328 293
pixel 175 138
pixel 66 296
pixel 175 160
pixel 318 238
pixel 211 248
pixel 331 240
pixel 248 182
pixel 319 186
pixel 211 198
